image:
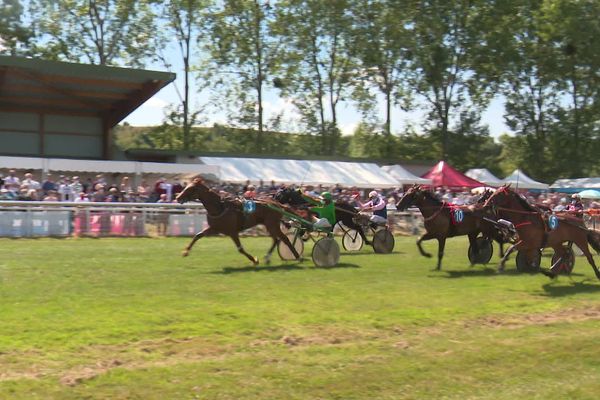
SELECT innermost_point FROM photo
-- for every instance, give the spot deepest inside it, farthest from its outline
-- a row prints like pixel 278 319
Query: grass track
pixel 130 318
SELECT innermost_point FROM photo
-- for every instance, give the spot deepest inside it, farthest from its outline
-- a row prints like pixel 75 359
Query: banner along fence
pixel 65 219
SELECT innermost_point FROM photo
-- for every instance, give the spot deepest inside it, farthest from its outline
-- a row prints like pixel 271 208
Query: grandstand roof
pixel 51 87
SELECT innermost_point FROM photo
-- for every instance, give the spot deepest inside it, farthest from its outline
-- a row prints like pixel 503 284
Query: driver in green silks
pixel 325 209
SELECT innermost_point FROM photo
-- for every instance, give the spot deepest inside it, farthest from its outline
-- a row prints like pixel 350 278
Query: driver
pixel 378 205
pixel 576 206
pixel 324 208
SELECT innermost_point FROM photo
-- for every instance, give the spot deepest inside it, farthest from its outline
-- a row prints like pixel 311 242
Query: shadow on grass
pixel 553 289
pixel 278 268
pixel 367 252
pixel 474 272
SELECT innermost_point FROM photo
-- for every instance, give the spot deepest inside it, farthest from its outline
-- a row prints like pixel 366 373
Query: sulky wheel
pixel 565 266
pixel 525 265
pixel 484 253
pixel 326 252
pixel 352 241
pixel 284 251
pixel 383 241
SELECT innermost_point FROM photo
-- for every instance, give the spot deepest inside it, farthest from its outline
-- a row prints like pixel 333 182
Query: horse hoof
pixel 427 255
pixel 185 253
pixel 255 261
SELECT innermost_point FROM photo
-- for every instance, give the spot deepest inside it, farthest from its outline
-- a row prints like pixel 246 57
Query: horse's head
pixel 289 196
pixel 414 195
pixel 192 192
pixel 502 197
pixel 484 196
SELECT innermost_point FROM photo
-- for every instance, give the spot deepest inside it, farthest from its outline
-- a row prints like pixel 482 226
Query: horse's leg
pixel 277 236
pixel 501 245
pixel 426 236
pixel 441 246
pixel 363 235
pixel 473 243
pixel 236 240
pixel 267 257
pixel 199 235
pixel 586 251
pixel 505 257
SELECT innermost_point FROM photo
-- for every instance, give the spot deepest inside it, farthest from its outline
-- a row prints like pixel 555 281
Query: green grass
pixel 131 319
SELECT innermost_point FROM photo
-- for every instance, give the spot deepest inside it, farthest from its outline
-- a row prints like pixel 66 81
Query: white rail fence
pixel 62 219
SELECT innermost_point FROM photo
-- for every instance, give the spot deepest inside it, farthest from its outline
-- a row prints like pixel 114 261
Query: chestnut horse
pixel 440 220
pixel 230 217
pixel 533 229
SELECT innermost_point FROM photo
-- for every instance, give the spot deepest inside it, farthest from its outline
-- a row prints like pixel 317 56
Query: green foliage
pixel 15 33
pixel 104 32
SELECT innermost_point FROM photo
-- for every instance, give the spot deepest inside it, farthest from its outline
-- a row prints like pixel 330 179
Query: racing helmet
pixel 373 193
pixel 326 195
pixel 575 196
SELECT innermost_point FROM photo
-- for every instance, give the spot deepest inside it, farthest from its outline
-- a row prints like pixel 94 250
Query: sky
pixel 152 112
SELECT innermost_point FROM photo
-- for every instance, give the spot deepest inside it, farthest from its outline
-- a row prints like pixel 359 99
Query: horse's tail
pixel 593 238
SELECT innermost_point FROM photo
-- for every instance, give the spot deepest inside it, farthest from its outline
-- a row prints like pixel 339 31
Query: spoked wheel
pixel 383 241
pixel 524 265
pixel 565 266
pixel 484 253
pixel 285 253
pixel 352 241
pixel 326 252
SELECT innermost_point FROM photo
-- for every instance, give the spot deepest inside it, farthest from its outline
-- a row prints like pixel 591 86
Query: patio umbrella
pixel 589 194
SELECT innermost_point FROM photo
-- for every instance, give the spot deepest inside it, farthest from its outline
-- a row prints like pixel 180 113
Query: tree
pixel 14 34
pixel 182 21
pixel 316 68
pixel 102 32
pixel 443 32
pixel 241 55
pixel 569 27
pixel 380 42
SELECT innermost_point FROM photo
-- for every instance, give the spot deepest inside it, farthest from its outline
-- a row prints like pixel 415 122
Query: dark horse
pixel 532 226
pixel 345 213
pixel 228 217
pixel 441 220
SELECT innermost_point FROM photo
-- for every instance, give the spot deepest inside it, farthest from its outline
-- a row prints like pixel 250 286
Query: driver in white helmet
pixel 377 205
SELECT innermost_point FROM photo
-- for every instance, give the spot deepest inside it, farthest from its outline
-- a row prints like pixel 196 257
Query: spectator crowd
pixel 97 189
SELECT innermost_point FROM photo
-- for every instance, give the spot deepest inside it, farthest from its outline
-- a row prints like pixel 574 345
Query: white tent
pixel 576 184
pixel 483 175
pixel 519 180
pixel 103 166
pixel 403 176
pixel 239 170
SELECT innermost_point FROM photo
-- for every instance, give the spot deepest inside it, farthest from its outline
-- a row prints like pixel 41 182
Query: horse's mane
pixel 523 202
pixel 431 197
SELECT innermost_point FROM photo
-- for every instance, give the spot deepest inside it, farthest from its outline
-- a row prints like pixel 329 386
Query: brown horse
pixel 533 230
pixel 228 217
pixel 440 220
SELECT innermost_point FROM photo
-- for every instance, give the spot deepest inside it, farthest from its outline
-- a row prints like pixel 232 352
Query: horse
pixel 489 227
pixel 441 220
pixel 534 233
pixel 345 213
pixel 230 217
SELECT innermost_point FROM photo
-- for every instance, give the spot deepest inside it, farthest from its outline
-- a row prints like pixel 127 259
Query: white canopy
pixel 579 183
pixel 239 170
pixel 521 181
pixel 102 166
pixel 403 176
pixel 483 175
